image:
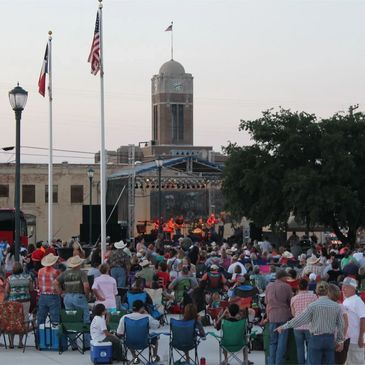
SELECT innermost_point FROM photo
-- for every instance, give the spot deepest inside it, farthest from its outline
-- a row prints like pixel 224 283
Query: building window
pixel 155 123
pixel 4 191
pixel 55 194
pixel 77 194
pixel 28 193
pixel 177 116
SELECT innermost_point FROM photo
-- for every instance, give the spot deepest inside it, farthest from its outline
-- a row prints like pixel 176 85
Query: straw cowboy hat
pixel 145 263
pixel 49 260
pixel 287 255
pixel 313 260
pixel 74 261
pixel 120 245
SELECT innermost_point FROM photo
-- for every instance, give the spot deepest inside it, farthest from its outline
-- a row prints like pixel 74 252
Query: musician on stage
pixel 211 222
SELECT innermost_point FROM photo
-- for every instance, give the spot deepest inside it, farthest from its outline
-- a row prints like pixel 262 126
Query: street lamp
pixel 18 98
pixel 159 164
pixel 90 174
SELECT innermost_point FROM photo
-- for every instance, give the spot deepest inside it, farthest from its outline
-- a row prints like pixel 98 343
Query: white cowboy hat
pixel 145 263
pixel 49 260
pixel 234 249
pixel 74 261
pixel 120 245
pixel 312 260
pixel 287 255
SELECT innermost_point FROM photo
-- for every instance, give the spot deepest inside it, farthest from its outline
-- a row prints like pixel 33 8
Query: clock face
pixel 175 85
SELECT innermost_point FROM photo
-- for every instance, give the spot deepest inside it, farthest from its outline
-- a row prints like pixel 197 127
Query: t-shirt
pixel 153 323
pixel 72 281
pixel 107 287
pixel 355 308
pixel 97 328
pixel 232 267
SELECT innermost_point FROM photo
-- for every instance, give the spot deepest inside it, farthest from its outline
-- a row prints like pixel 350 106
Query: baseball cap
pixel 350 281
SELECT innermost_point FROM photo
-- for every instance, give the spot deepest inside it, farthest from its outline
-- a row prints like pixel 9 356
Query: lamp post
pixel 18 98
pixel 90 174
pixel 159 164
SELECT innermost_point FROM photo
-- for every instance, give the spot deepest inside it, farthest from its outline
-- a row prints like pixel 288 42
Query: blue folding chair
pixel 137 339
pixel 132 297
pixel 183 338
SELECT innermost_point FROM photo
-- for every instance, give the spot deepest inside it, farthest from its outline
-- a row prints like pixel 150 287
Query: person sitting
pixel 137 292
pixel 139 312
pixel 183 285
pixel 191 313
pixel 214 279
pixel 162 275
pixel 146 273
pixel 99 332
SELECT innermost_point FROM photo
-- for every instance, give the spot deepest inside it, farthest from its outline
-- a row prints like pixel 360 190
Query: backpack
pixel 214 280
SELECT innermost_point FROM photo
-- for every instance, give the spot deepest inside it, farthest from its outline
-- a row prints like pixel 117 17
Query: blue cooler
pixel 101 352
pixel 49 337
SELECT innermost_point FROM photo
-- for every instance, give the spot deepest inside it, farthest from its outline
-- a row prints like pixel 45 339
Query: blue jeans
pixel 302 338
pixel 49 304
pixel 119 274
pixel 75 301
pixel 321 350
pixel 278 344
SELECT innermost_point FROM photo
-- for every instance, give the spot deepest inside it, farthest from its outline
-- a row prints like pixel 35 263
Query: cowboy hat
pixel 214 267
pixel 49 260
pixel 145 263
pixel 120 245
pixel 74 261
pixel 287 255
pixel 312 260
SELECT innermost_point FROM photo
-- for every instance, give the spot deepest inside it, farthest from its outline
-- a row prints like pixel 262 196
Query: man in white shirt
pixel 140 312
pixel 231 268
pixel 355 308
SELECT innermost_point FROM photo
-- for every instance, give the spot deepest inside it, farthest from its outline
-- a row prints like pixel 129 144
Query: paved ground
pixel 208 349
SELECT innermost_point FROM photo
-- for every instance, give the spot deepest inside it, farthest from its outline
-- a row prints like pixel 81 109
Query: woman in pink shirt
pixel 105 289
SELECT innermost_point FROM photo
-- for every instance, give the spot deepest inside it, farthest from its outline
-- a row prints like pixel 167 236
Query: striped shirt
pixel 324 316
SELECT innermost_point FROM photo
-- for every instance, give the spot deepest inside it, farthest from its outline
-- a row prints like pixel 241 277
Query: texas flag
pixel 42 76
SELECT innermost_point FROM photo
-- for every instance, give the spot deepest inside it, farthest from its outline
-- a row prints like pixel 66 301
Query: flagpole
pixel 50 152
pixel 172 40
pixel 102 144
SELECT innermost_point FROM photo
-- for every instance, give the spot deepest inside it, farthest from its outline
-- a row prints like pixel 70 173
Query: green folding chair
pixel 114 319
pixel 234 338
pixel 74 329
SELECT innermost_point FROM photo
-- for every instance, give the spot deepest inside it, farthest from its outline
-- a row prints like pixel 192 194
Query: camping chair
pixel 233 339
pixel 183 338
pixel 132 297
pixel 12 322
pixel 74 329
pixel 114 319
pixel 137 338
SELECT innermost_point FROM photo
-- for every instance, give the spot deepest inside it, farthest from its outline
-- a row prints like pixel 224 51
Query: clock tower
pixel 172 105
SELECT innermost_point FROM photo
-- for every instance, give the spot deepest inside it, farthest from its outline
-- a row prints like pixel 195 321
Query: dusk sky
pixel 245 56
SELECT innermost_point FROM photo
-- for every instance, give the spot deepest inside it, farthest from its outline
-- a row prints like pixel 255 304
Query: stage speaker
pixel 116 232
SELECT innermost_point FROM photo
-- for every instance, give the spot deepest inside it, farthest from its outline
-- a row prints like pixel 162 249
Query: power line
pixel 41 155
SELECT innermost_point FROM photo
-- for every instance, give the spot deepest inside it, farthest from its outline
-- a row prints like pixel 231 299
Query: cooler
pixel 49 337
pixel 101 352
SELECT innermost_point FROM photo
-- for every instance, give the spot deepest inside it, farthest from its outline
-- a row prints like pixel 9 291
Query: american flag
pixel 94 56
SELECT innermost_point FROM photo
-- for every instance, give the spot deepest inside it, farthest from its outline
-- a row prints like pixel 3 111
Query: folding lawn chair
pixel 132 297
pixel 12 322
pixel 114 319
pixel 74 329
pixel 137 338
pixel 233 339
pixel 183 338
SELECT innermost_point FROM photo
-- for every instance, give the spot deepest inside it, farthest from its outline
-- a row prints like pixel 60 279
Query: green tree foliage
pixel 298 164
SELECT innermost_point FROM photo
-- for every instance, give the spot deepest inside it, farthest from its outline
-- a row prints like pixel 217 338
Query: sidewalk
pixel 207 349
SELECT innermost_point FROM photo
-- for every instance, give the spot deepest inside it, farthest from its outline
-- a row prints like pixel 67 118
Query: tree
pixel 314 169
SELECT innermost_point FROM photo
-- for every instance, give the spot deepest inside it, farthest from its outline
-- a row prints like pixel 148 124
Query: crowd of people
pixel 318 291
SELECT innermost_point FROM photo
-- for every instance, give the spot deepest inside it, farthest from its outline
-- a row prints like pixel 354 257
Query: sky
pixel 245 56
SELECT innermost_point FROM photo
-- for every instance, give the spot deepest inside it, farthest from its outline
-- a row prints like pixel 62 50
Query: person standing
pixel 326 320
pixel 277 299
pixel 105 289
pixel 118 262
pixel 49 299
pixel 355 308
pixel 299 304
pixel 76 289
